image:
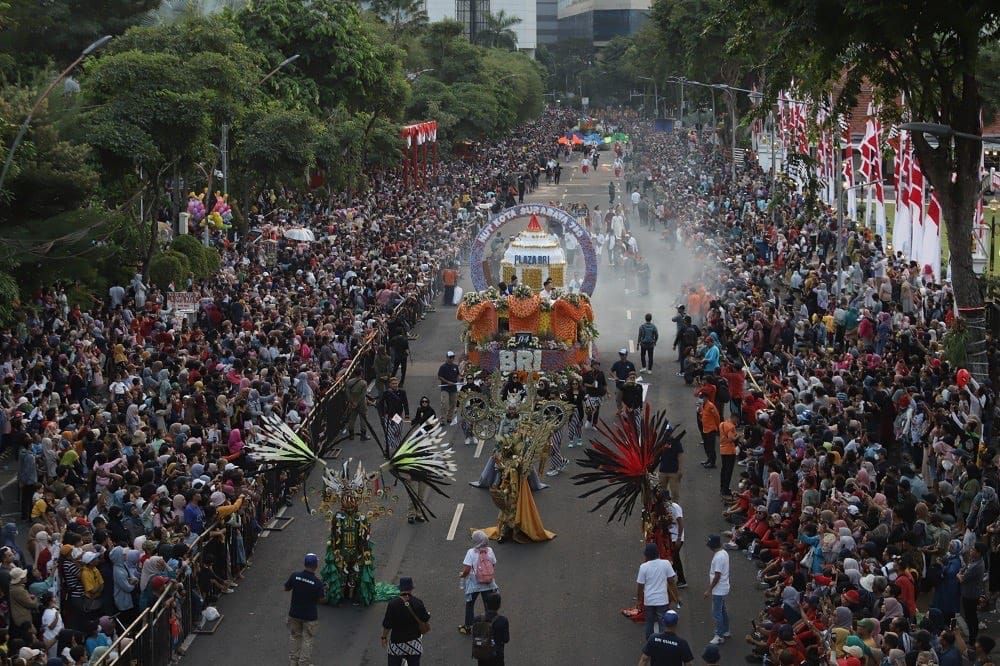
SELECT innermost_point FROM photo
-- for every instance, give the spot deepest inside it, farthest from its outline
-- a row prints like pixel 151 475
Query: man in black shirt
pixel 401 626
pixel 620 371
pixel 667 648
pixel 448 376
pixel 501 629
pixel 399 347
pixel 596 386
pixel 307 591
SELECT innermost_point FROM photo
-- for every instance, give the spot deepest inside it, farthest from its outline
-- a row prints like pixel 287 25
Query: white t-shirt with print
pixel 720 564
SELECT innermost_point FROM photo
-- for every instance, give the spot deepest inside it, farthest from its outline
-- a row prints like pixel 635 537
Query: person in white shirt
pixel 718 588
pixel 656 586
pixel 52 624
pixel 474 582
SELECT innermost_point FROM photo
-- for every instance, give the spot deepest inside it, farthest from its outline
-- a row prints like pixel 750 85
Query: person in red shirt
pixel 737 381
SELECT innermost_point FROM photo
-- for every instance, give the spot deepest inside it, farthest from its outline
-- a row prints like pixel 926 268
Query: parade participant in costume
pixel 422 459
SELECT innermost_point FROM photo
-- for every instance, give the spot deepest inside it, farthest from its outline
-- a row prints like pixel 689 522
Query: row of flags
pixel 916 223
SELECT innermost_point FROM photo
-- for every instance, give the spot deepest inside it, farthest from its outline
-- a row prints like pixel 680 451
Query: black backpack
pixel 722 390
pixel 483 646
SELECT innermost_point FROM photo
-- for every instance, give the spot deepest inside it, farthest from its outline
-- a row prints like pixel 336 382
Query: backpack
pixel 722 394
pixel 646 334
pixel 93 581
pixel 484 567
pixel 483 646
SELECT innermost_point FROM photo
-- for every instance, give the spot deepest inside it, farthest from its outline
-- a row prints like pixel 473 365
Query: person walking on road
pixel 611 192
pixel 708 423
pixel 667 648
pixel 596 386
pixel 498 628
pixel 718 589
pixel 621 369
pixel 655 587
pixel 448 380
pixel 393 406
pixel 477 576
pixel 729 436
pixel 307 591
pixel 406 620
pixel 357 404
pixel 647 339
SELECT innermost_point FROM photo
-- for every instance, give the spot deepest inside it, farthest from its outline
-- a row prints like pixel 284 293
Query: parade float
pixel 526 331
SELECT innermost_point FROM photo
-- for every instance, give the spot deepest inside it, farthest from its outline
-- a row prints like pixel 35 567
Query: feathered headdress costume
pixel 623 465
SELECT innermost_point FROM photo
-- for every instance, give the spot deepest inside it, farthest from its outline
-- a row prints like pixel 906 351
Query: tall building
pixel 472 14
pixel 547 21
pixel 600 21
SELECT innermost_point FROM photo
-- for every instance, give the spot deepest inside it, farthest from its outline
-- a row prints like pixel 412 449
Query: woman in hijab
pixel 790 605
pixel 132 421
pixel 852 569
pixel 891 609
pixel 154 566
pixel 235 444
pixel 947 595
pixel 302 388
pixel 843 623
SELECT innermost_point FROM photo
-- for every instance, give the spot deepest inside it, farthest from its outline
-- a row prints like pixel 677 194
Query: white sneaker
pixel 468 441
pixel 454 421
pixel 717 640
pixel 728 634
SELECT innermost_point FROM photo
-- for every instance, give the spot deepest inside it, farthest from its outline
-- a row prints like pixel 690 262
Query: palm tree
pixel 498 31
pixel 402 15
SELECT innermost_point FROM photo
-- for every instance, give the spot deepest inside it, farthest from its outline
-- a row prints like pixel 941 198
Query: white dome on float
pixel 534 256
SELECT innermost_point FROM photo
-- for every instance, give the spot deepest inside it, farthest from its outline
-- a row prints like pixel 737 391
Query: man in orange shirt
pixel 449 278
pixel 708 423
pixel 729 436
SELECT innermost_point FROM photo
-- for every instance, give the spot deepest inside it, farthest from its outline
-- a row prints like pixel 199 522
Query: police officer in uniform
pixel 307 591
pixel 667 648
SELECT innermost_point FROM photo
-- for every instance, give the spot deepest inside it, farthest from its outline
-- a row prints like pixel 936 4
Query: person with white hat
pixel 22 603
pixel 449 378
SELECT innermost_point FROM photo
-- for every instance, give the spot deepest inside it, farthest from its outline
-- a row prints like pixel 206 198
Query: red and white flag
pixel 930 254
pixel 901 220
pixel 916 208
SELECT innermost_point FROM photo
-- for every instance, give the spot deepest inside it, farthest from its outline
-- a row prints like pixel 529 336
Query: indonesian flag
pixel 930 254
pixel 901 221
pixel 916 208
pixel 878 188
pixel 847 167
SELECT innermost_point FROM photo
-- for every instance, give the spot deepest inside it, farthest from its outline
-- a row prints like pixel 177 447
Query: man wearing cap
pixel 656 587
pixel 710 655
pixel 307 591
pixel 621 370
pixel 448 376
pixel 667 648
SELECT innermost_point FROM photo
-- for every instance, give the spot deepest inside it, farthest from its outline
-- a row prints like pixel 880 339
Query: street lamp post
pixel 38 103
pixel 656 95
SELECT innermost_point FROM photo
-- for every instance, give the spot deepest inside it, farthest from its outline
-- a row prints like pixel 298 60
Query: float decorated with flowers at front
pixel 526 332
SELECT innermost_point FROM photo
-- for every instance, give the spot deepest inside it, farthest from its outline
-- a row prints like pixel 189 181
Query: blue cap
pixel 311 560
pixel 670 618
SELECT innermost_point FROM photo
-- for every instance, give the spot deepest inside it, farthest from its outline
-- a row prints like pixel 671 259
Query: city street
pixel 563 597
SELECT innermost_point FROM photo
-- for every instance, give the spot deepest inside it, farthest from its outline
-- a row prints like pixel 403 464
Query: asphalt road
pixel 562 597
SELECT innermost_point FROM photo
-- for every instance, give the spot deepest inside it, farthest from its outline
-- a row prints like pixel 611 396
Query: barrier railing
pixel 155 636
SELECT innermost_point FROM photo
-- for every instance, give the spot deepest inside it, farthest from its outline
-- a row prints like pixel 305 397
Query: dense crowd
pixel 128 421
pixel 866 473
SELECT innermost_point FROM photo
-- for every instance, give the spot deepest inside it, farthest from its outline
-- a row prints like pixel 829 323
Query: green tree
pixel 498 31
pixel 929 52
pixel 40 32
pixel 401 15
pixel 450 55
pixel 340 54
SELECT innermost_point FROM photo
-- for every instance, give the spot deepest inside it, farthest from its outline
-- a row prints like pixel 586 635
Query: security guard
pixel 667 648
pixel 307 591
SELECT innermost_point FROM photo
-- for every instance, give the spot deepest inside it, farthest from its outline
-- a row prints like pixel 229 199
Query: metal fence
pixel 155 636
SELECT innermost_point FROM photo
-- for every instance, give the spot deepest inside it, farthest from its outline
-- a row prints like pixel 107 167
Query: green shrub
pixel 169 266
pixel 195 252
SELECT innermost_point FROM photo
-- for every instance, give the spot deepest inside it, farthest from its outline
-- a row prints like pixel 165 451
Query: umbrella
pixel 577 140
pixel 563 141
pixel 300 234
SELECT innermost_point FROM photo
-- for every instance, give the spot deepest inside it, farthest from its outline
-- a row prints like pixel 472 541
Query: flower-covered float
pixel 526 332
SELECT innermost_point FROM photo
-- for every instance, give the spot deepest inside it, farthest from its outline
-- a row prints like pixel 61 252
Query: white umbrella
pixel 300 234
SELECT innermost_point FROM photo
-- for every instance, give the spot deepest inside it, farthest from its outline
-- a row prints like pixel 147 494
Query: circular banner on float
pixel 569 224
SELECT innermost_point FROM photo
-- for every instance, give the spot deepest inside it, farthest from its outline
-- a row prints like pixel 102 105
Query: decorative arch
pixel 569 225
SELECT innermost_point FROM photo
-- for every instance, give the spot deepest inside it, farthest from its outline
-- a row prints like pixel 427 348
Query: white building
pixel 472 14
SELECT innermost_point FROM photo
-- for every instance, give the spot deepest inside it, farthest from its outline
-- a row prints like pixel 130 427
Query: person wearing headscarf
pixel 947 590
pixel 468 576
pixel 891 609
pixel 153 566
pixel 8 538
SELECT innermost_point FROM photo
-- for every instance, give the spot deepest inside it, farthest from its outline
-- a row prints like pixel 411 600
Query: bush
pixel 169 266
pixel 196 255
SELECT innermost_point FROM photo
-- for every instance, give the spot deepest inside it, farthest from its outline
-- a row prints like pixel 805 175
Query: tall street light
pixel 656 95
pixel 38 103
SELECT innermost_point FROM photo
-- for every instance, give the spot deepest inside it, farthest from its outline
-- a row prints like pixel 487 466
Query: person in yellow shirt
pixel 729 437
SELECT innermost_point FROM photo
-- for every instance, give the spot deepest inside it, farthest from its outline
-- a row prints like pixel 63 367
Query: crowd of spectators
pixel 866 475
pixel 127 422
